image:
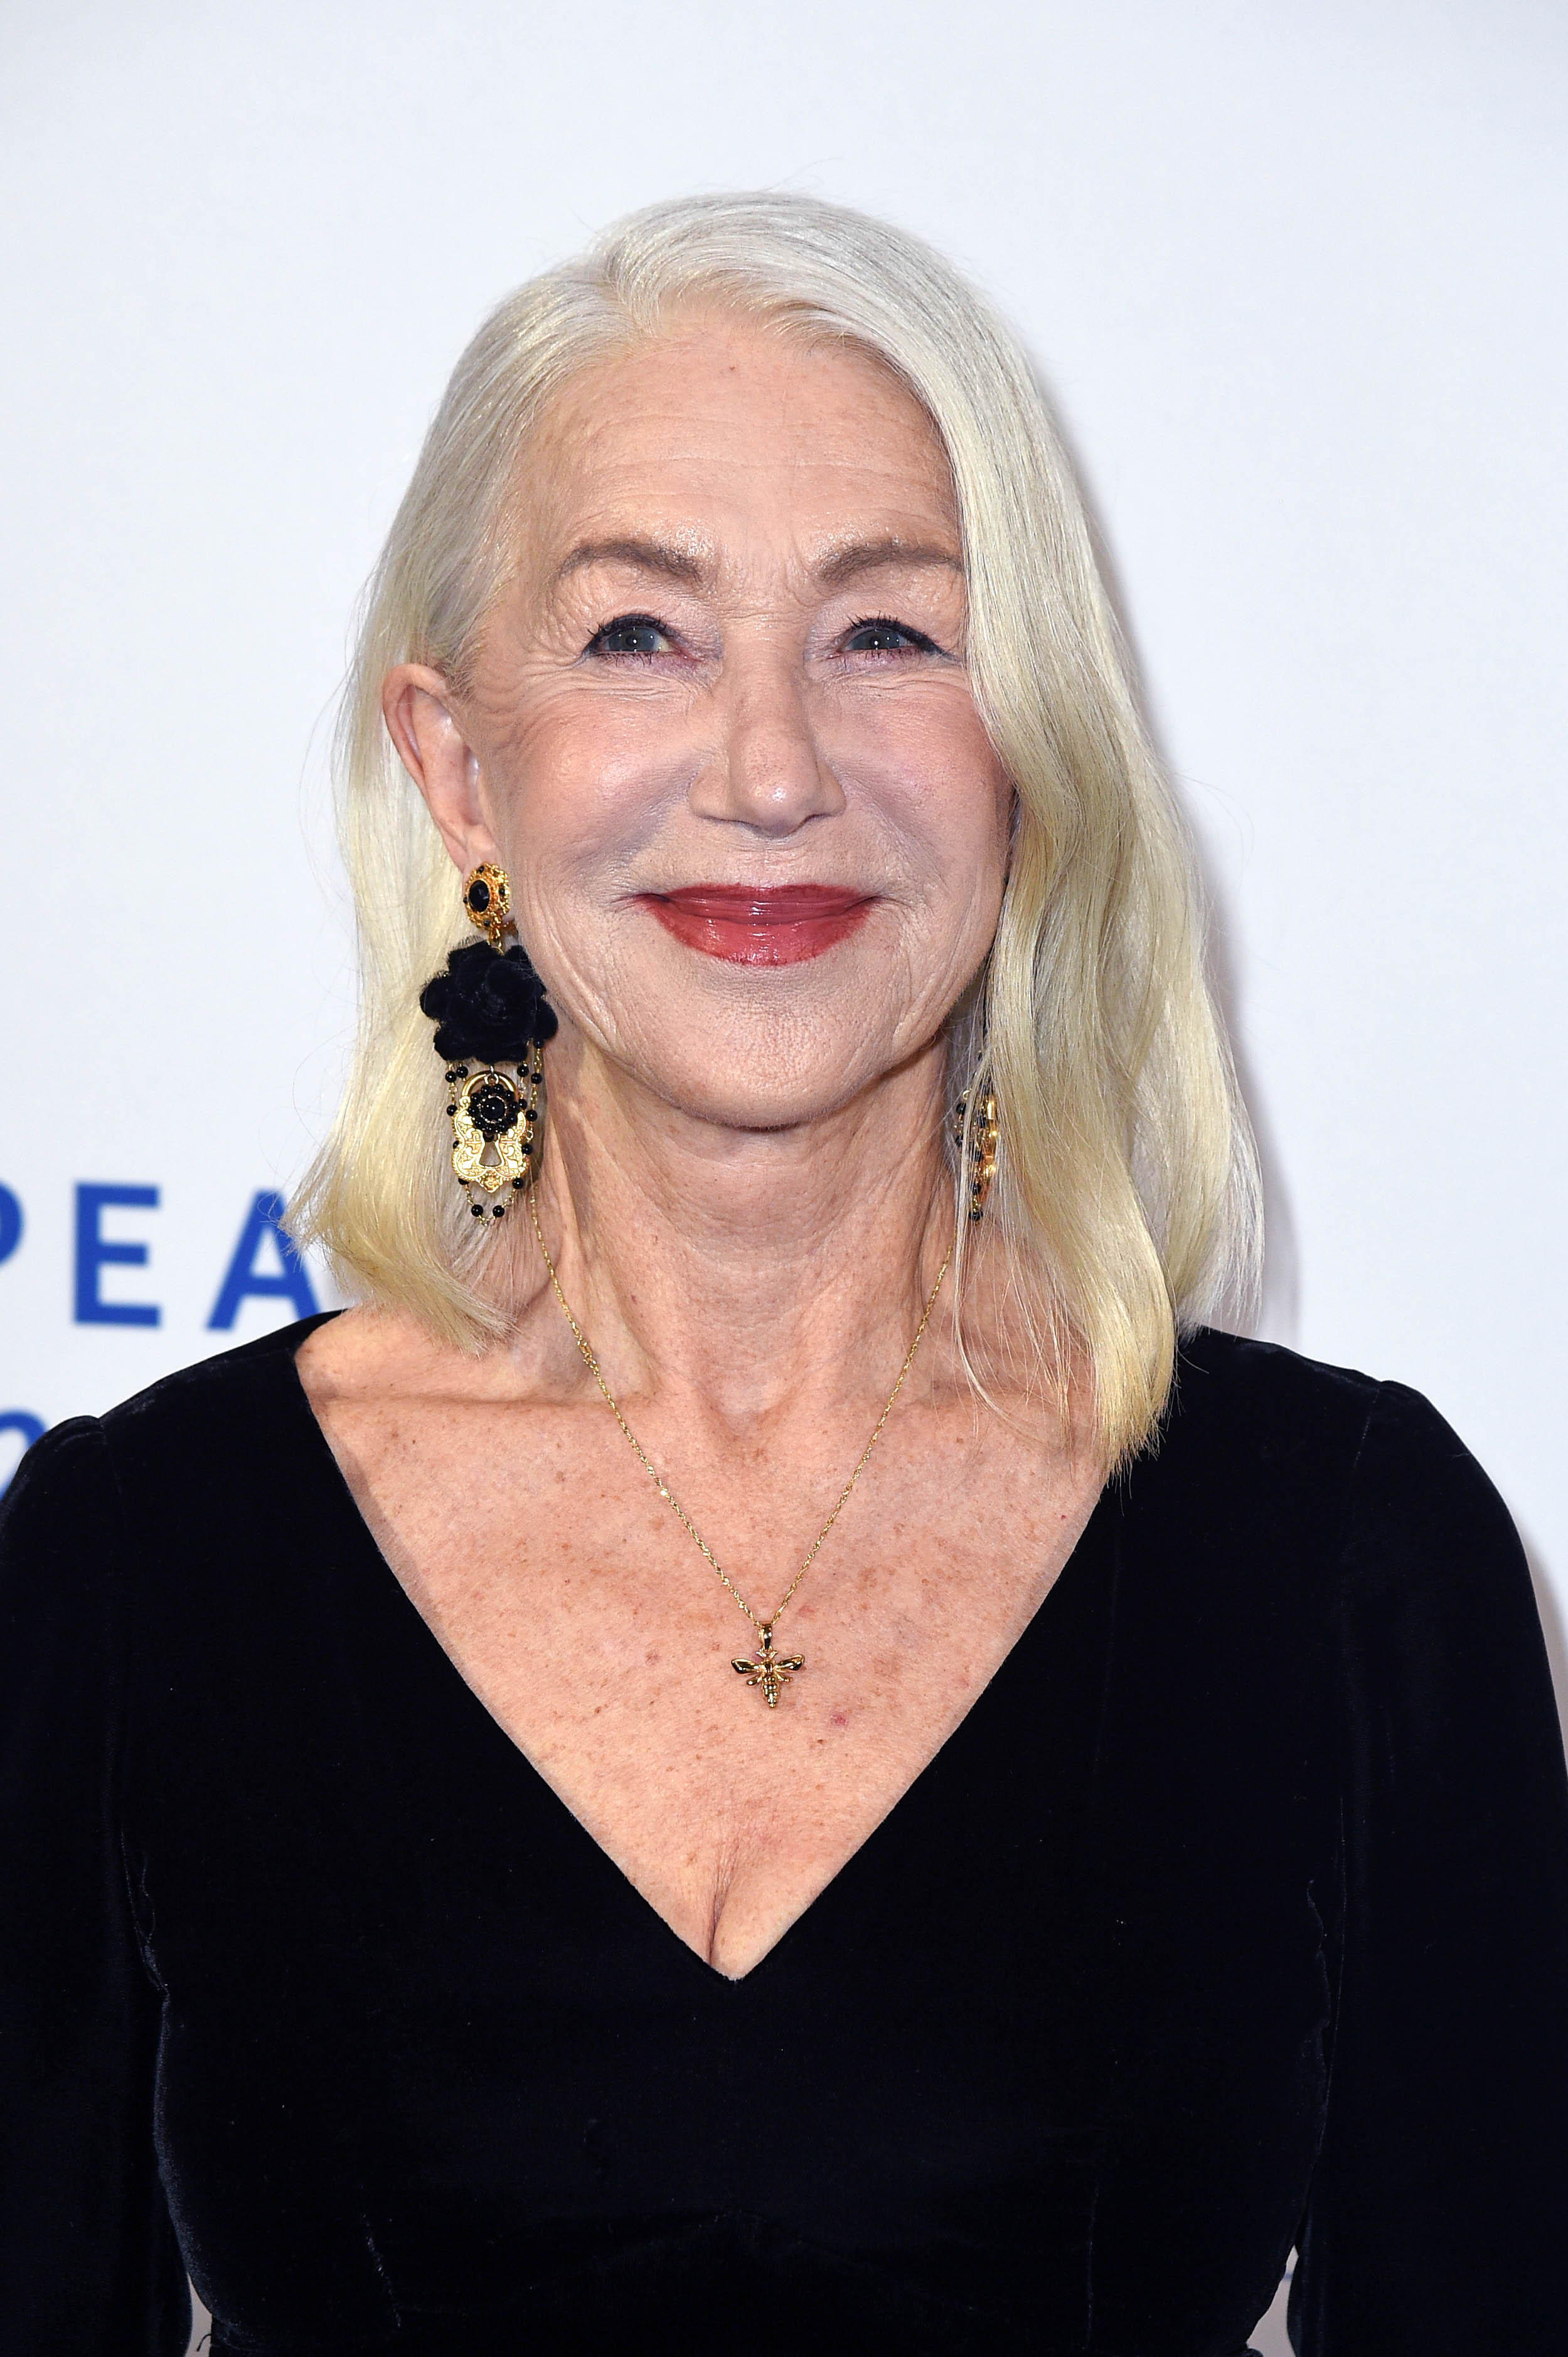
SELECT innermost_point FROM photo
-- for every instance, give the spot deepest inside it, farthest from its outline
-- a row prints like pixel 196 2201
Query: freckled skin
pixel 742 1183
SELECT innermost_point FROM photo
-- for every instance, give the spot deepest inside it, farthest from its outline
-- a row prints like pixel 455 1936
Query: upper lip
pixel 765 904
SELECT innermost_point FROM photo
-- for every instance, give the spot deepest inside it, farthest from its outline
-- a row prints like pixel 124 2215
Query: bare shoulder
pixel 378 1359
pixel 364 1352
pixel 374 1357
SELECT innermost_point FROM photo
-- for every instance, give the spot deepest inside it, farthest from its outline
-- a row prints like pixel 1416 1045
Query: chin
pixel 762 1071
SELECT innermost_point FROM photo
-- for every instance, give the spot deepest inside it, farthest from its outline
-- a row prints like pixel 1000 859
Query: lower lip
pixel 783 928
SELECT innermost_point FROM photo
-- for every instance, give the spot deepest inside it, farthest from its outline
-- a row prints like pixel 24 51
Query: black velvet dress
pixel 1233 1916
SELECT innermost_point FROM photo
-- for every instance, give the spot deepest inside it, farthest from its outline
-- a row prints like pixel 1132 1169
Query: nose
pixel 767 769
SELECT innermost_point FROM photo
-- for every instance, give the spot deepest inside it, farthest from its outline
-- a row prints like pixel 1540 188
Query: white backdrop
pixel 1294 273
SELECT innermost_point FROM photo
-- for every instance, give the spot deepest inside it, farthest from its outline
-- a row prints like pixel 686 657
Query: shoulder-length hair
pixel 1127 1190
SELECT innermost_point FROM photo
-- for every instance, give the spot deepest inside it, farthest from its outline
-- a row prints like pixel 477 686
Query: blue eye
pixel 879 636
pixel 630 634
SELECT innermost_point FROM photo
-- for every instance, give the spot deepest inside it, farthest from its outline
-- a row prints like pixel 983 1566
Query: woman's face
pixel 721 733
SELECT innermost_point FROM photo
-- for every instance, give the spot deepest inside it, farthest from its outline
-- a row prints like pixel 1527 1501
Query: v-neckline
pixel 430 1644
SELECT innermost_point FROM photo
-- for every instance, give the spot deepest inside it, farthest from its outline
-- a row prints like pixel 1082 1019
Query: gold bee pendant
pixel 770 1672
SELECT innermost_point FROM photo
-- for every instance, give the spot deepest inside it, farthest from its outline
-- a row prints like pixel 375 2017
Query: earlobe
pixel 417 706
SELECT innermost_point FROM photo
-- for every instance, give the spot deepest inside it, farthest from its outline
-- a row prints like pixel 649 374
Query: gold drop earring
pixel 489 1009
pixel 984 1134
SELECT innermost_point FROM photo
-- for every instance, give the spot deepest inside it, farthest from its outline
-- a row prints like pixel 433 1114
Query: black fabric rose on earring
pixel 488 1005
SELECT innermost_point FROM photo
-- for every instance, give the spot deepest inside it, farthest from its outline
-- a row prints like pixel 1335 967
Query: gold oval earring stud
pixel 486 897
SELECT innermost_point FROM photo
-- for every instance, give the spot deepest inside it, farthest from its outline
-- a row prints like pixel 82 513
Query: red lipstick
pixel 778 925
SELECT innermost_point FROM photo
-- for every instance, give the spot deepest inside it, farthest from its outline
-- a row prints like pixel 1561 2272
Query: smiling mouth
pixel 781 925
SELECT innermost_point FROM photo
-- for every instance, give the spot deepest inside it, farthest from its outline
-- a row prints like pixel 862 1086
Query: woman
pixel 1126 1834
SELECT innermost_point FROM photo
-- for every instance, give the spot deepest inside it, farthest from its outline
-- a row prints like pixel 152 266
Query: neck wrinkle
pixel 745 1268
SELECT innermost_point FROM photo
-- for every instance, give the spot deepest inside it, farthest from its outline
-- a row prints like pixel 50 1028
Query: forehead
pixel 722 429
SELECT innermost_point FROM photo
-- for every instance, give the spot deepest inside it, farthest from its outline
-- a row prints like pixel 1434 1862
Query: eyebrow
pixel 645 555
pixel 846 564
pixel 858 556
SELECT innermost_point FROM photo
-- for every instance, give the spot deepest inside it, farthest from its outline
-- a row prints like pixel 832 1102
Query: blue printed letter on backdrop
pixel 292 1278
pixel 93 1253
pixel 10 1223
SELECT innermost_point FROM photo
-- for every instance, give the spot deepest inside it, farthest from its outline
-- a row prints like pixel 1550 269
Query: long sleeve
pixel 1439 2204
pixel 88 2263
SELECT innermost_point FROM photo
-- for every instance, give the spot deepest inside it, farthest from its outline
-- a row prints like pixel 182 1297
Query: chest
pixel 601 1639
pixel 425 2046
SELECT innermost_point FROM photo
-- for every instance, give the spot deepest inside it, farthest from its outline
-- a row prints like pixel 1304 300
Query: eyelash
pixel 919 642
pixel 625 622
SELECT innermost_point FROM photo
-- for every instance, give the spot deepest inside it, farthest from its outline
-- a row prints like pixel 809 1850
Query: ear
pixel 422 721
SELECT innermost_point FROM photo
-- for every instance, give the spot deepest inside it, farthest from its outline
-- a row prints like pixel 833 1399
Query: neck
pixel 743 1266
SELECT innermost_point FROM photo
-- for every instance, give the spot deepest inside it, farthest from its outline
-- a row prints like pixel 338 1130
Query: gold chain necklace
pixel 768 1672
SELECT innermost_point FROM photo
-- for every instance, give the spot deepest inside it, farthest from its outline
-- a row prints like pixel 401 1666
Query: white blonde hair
pixel 1127 1188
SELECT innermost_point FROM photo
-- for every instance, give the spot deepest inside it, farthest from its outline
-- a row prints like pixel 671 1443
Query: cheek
pixel 582 788
pixel 584 798
pixel 933 781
